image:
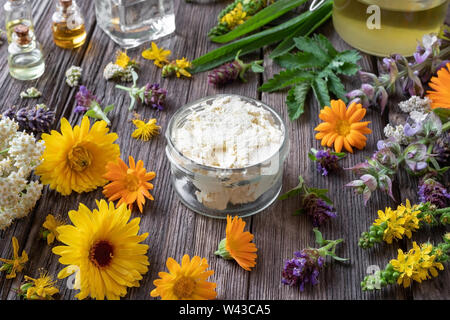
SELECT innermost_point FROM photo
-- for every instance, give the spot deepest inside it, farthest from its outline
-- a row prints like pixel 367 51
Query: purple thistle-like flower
pixel 225 74
pixel 38 119
pixel 318 209
pixel 154 96
pixel 84 99
pixel 326 162
pixel 304 268
pixel 434 192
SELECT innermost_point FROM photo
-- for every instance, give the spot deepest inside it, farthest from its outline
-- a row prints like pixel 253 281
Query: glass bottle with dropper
pixel 25 58
pixel 68 25
pixel 17 12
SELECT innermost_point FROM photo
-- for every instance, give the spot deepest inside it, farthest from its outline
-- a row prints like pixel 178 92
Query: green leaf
pixel 442 113
pixel 108 108
pixel 320 89
pixel 319 238
pixel 296 98
pixel 301 60
pixel 350 56
pixel 305 29
pixel 286 78
pixel 326 45
pixel 256 41
pixel 335 257
pixel 260 19
pixel 311 46
pixel 336 87
pixel 348 69
pixel 295 191
pixel 321 193
pixel 257 68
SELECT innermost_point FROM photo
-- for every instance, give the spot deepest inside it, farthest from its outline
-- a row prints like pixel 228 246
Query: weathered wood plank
pixel 279 234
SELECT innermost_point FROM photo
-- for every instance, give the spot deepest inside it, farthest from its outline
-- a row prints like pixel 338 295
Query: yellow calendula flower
pixel 122 59
pixel 75 159
pixel 145 130
pixel 158 55
pixel 103 249
pixel 185 282
pixel 42 288
pixel 50 225
pixel 16 264
pixel 130 184
pixel 235 17
pixel 402 221
pixel 416 265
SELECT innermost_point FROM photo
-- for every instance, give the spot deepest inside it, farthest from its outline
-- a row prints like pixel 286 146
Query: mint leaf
pixel 286 78
pixel 296 100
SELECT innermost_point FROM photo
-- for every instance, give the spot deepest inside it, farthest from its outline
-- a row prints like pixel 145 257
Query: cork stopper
pixel 22 32
pixel 65 4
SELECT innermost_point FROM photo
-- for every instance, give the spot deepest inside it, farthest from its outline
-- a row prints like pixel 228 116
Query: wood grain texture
pixel 173 229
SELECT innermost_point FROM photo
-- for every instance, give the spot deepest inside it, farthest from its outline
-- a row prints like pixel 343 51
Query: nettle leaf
pixel 301 60
pixel 296 100
pixel 286 78
pixel 336 87
pixel 326 44
pixel 311 46
pixel 350 56
pixel 321 92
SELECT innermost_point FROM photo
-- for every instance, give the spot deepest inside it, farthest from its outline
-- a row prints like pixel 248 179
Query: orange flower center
pixel 131 181
pixel 184 287
pixel 79 158
pixel 343 127
pixel 101 253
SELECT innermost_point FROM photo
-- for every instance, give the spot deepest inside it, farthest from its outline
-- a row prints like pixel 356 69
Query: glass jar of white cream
pixel 227 153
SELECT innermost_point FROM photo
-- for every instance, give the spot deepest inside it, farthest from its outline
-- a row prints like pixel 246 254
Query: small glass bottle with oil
pixel 385 27
pixel 68 25
pixel 17 12
pixel 25 58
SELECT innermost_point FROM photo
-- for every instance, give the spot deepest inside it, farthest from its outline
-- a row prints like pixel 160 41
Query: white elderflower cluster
pixel 113 71
pixel 19 154
pixel 73 76
pixel 415 103
pixel 397 133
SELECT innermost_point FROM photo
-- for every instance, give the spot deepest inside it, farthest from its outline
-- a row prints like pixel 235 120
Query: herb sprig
pixel 315 67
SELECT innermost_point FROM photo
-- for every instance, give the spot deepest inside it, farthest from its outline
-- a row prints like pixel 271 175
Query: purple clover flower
pixel 326 162
pixel 318 209
pixel 84 100
pixel 304 268
pixel 154 96
pixel 434 192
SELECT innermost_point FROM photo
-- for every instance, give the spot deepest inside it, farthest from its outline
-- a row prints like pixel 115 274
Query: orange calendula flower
pixel 16 264
pixel 440 97
pixel 237 245
pixel 186 281
pixel 129 184
pixel 342 126
pixel 158 55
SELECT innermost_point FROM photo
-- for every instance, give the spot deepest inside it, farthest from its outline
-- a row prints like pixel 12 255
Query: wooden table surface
pixel 173 229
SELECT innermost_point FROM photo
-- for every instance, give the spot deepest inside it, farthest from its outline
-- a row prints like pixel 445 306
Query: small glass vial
pixel 68 25
pixel 17 12
pixel 25 58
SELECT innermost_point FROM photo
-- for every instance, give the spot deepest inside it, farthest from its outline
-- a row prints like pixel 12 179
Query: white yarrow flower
pixel 73 76
pixel 19 154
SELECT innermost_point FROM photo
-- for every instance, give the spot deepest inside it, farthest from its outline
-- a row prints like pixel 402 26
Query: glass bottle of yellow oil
pixel 17 12
pixel 385 27
pixel 68 25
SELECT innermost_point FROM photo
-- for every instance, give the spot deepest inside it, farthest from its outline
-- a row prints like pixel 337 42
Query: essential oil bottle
pixel 68 25
pixel 17 12
pixel 25 58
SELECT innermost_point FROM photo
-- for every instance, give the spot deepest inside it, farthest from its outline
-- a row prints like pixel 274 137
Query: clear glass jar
pixel 17 12
pixel 132 22
pixel 25 58
pixel 218 192
pixel 385 27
